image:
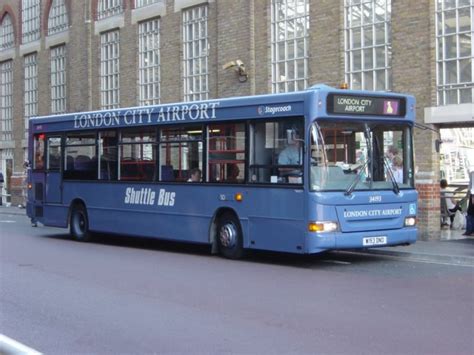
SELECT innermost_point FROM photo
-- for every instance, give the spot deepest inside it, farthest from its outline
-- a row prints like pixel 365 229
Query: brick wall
pixel 412 33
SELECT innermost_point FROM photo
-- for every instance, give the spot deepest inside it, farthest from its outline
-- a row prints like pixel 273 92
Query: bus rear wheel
pixel 79 224
pixel 229 236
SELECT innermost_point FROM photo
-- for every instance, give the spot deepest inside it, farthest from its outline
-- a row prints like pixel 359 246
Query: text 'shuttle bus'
pixel 300 172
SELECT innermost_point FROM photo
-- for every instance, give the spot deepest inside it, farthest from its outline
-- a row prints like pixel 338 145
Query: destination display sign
pixel 366 105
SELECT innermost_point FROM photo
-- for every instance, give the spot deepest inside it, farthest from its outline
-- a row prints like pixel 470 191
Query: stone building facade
pixel 66 41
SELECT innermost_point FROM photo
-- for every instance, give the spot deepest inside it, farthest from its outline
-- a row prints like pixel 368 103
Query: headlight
pixel 410 221
pixel 322 227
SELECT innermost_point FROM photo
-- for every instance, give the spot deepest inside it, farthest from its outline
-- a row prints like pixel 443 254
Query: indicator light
pixel 322 227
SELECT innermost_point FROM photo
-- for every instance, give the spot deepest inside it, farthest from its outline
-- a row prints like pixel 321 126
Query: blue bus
pixel 298 172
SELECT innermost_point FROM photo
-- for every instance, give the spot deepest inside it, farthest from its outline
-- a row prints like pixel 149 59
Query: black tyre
pixel 229 236
pixel 79 224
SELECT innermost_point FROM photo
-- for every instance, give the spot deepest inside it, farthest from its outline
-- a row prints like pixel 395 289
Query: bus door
pixel 53 180
pixel 36 177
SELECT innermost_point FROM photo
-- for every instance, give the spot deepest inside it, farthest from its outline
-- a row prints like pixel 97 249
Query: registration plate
pixel 370 241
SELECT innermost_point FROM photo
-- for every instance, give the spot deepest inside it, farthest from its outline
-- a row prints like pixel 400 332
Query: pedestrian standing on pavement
pixel 447 201
pixel 470 207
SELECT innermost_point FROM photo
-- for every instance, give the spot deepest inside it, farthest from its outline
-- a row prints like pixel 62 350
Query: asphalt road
pixel 127 295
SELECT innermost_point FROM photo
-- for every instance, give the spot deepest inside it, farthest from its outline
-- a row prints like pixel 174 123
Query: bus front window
pixel 348 156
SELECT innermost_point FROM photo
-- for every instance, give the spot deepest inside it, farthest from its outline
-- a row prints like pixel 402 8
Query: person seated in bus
pixel 233 172
pixel 397 169
pixel 448 205
pixel 195 175
pixel 291 155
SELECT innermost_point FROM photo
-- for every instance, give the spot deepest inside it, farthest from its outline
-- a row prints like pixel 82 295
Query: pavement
pixel 452 248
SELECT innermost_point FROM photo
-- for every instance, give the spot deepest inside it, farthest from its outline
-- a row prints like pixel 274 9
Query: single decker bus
pixel 300 172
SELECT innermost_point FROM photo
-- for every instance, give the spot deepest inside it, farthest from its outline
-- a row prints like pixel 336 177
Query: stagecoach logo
pixel 151 115
pixel 147 197
pixel 262 110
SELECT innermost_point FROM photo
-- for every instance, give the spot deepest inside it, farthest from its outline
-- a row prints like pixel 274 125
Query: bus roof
pixel 308 102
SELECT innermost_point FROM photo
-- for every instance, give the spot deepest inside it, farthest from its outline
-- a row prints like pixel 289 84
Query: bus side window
pixel 39 152
pixel 54 153
pixel 108 155
pixel 226 148
pixel 274 157
pixel 181 150
pixel 81 160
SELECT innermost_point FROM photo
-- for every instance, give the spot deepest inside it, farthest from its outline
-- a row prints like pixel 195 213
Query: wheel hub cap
pixel 228 235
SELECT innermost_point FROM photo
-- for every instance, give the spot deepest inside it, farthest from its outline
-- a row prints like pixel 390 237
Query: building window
pixel 368 48
pixel 31 88
pixel 149 62
pixel 455 51
pixel 290 29
pixel 58 79
pixel 141 3
pixel 57 21
pixel 196 54
pixel 109 8
pixel 30 20
pixel 109 70
pixel 7 36
pixel 6 100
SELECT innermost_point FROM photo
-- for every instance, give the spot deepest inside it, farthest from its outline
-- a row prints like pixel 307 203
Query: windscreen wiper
pixel 396 188
pixel 386 165
pixel 356 180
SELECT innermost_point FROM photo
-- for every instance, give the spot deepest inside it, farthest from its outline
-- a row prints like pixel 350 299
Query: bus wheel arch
pixel 226 235
pixel 79 221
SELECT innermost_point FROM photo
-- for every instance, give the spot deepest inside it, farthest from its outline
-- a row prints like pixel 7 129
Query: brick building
pixel 61 56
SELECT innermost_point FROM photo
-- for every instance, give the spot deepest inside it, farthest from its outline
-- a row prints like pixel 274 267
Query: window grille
pixel 109 69
pixel 142 3
pixel 290 31
pixel 7 36
pixel 196 54
pixel 107 8
pixel 368 47
pixel 31 88
pixel 6 100
pixel 58 79
pixel 30 20
pixel 455 51
pixel 149 62
pixel 57 21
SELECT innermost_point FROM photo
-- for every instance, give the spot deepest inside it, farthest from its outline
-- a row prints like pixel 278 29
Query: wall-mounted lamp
pixel 239 68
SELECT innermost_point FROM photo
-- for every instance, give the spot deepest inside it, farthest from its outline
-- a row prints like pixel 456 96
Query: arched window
pixel 30 20
pixel 142 3
pixel 107 8
pixel 57 20
pixel 7 36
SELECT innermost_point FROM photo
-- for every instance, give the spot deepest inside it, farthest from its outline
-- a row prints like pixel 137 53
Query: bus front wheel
pixel 79 225
pixel 229 236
